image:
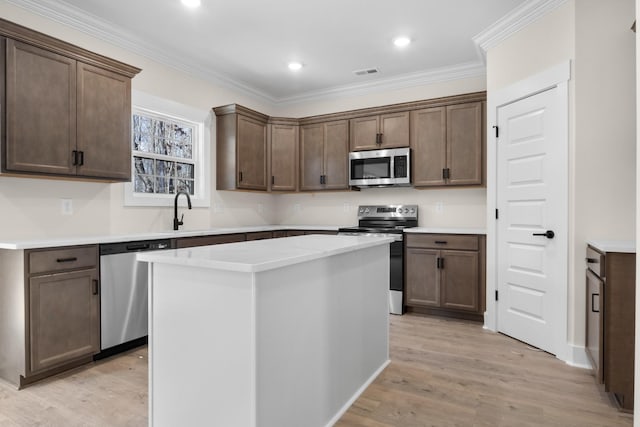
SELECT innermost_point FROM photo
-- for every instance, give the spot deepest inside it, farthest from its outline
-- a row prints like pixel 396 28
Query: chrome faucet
pixel 178 222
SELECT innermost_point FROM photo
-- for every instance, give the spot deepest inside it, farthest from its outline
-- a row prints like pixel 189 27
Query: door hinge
pixel 497 215
pixel 497 131
pixel 496 295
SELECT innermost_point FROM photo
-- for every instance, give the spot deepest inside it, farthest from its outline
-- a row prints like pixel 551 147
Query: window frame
pixel 172 111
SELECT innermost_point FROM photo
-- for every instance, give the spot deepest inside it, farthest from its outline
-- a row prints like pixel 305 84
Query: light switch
pixel 439 207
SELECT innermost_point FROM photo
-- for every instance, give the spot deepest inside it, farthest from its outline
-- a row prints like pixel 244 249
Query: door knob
pixel 549 234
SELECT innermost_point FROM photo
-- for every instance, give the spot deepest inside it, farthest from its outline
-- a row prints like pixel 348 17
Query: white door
pixel 532 182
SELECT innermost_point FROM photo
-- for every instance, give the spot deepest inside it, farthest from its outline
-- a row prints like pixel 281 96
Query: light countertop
pixel 624 246
pixel 113 238
pixel 260 255
pixel 446 230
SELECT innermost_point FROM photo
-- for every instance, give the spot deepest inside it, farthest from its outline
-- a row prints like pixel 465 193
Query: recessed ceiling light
pixel 295 66
pixel 191 3
pixel 402 41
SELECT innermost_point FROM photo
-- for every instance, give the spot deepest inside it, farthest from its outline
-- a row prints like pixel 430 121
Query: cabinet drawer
pixel 260 235
pixel 443 241
pixel 62 259
pixel 189 242
pixel 595 262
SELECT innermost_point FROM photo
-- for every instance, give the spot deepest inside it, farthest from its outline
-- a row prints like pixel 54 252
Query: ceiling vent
pixel 366 71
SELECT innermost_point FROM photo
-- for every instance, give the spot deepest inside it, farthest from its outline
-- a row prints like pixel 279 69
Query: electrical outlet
pixel 439 207
pixel 346 207
pixel 66 206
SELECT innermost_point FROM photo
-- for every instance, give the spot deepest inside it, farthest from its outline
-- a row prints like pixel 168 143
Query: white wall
pixel 636 420
pixel 595 36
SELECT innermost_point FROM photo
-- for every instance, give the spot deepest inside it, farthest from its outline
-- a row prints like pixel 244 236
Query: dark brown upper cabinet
pixel 447 145
pixel 324 151
pixel 381 131
pixel 241 148
pixel 283 154
pixel 67 110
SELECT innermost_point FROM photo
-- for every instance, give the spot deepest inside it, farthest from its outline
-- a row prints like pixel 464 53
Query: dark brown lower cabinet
pixel 444 275
pixel 189 242
pixel 610 321
pixel 64 318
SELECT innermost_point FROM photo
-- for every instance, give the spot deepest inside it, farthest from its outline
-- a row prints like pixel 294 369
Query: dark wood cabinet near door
pixel 68 110
pixel 445 274
pixel 610 320
pixel 448 145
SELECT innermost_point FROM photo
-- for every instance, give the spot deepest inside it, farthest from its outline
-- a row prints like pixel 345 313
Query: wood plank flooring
pixel 443 373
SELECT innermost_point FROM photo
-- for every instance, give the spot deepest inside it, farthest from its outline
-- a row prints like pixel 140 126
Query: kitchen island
pixel 282 332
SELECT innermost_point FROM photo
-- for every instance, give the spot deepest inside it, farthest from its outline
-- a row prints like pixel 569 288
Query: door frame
pixel 557 77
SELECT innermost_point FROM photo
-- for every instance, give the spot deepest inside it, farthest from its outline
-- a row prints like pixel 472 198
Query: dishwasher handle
pixel 138 246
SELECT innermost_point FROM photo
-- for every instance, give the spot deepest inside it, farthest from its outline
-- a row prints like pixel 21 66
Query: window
pixel 162 149
pixel 168 153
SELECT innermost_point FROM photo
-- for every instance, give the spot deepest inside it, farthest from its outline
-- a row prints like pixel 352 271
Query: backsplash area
pixel 459 207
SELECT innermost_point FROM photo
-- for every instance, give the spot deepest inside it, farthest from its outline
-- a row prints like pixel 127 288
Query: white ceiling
pixel 248 43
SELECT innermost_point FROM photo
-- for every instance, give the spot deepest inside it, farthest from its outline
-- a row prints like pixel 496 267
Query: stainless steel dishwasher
pixel 123 299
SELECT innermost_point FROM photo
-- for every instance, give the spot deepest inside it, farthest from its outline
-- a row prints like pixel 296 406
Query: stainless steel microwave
pixel 380 167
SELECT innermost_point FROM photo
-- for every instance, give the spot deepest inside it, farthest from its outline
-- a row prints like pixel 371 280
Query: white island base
pixel 271 333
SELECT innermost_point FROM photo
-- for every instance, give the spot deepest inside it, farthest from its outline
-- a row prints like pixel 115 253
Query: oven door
pixel 365 169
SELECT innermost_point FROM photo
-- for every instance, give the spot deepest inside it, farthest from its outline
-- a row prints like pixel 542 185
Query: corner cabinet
pixel 241 149
pixel 324 152
pixel 445 274
pixel 283 155
pixel 67 110
pixel 448 145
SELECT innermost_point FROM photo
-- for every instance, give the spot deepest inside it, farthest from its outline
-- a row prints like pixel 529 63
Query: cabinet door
pixel 464 143
pixel 460 280
pixel 395 130
pixel 252 154
pixel 336 155
pixel 429 146
pixel 104 123
pixel 422 280
pixel 64 318
pixel 312 156
pixel 41 110
pixel 364 133
pixel 284 157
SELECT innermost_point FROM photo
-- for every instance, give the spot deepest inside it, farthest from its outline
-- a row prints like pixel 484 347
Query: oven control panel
pixel 387 211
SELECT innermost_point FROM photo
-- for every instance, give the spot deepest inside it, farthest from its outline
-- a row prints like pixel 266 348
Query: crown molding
pixel 70 16
pixel 528 12
pixel 438 75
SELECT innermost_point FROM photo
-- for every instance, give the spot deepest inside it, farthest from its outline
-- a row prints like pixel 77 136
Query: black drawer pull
pixel 441 242
pixel 96 287
pixel 593 304
pixel 70 259
pixel 592 261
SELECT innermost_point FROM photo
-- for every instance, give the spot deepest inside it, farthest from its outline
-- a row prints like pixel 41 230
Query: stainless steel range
pixel 388 221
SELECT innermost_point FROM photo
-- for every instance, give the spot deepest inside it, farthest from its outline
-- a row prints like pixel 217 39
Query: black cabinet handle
pixel 446 173
pixel 593 304
pixel 95 287
pixel 240 176
pixel 591 260
pixel 440 263
pixel 80 158
pixel 440 242
pixel 273 179
pixel 74 155
pixel 323 179
pixel 549 234
pixel 70 259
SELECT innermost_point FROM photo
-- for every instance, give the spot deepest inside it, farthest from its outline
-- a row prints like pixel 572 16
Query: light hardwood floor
pixel 443 373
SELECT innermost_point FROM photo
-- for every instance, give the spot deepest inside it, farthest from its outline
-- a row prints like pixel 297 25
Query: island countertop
pixel 262 255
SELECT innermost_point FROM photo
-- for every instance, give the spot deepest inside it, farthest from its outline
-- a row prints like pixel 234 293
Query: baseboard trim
pixel 578 357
